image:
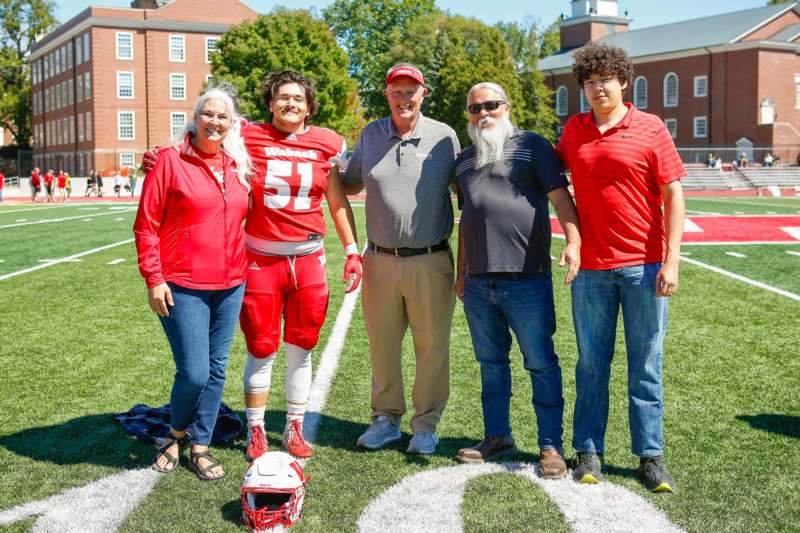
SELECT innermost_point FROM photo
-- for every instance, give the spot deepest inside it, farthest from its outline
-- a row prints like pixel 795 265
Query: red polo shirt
pixel 617 177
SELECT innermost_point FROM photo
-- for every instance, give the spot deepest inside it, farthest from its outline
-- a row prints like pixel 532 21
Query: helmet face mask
pixel 273 492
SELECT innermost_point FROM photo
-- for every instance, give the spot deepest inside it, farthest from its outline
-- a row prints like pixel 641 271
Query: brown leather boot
pixel 551 464
pixel 486 449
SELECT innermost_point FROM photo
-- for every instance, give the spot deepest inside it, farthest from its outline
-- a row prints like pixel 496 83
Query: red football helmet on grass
pixel 272 492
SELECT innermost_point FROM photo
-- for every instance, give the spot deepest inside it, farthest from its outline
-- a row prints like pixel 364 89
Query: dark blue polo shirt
pixel 505 219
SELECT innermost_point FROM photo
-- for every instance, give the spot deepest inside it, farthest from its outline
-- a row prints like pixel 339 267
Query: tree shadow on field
pixel 94 439
pixel 780 424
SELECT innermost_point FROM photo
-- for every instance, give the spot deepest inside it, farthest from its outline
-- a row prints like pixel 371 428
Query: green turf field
pixel 79 343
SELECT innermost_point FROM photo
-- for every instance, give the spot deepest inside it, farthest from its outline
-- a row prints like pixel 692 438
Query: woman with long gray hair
pixel 190 242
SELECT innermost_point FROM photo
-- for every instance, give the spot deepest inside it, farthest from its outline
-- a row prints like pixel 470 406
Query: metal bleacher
pixel 702 178
pixel 764 177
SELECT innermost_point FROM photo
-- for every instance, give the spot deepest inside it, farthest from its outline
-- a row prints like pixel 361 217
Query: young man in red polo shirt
pixel 625 168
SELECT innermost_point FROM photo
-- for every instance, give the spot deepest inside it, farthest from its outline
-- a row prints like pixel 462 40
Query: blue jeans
pixel 596 299
pixel 200 329
pixel 492 306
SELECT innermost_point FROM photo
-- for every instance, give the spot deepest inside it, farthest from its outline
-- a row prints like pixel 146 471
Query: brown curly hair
pixel 602 60
pixel 273 81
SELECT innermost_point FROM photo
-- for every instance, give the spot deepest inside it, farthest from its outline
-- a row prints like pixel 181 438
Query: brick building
pixel 722 81
pixel 111 82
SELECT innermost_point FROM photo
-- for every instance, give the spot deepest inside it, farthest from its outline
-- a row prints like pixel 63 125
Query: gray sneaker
pixel 423 442
pixel 653 471
pixel 588 468
pixel 381 432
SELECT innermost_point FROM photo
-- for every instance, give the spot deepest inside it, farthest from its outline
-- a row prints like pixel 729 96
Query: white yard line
pixel 790 252
pixel 754 283
pixel 64 259
pixel 757 203
pixel 736 254
pixel 59 260
pixel 3 212
pixel 116 261
pixel 63 219
pixel 735 243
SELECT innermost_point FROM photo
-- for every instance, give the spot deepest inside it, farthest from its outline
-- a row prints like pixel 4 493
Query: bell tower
pixel 591 20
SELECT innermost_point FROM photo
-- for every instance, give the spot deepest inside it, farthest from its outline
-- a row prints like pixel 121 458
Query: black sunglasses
pixel 489 105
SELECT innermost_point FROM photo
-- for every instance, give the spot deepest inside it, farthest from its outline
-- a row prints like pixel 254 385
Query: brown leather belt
pixel 407 252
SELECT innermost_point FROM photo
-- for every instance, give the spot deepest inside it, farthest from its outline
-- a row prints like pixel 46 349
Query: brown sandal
pixel 172 461
pixel 204 473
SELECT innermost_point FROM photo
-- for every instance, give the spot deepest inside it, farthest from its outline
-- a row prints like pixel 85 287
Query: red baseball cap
pixel 405 70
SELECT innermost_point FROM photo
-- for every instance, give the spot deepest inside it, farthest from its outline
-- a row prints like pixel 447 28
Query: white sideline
pixel 64 259
pixel 63 219
pixel 743 279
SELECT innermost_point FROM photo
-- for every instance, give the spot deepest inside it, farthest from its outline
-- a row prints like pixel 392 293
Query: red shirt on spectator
pixel 48 179
pixel 617 177
pixel 2 180
pixel 36 179
pixel 189 225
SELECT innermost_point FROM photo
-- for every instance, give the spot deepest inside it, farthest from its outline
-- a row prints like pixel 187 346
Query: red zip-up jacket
pixel 189 227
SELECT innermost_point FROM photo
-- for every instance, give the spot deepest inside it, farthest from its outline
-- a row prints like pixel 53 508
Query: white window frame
pixel 88 126
pixel 637 101
pixel 172 77
pixel 216 43
pixel 46 63
pixel 116 40
pixel 87 47
pixel 585 106
pixel 130 156
pixel 763 117
pixel 79 89
pixel 562 101
pixel 69 55
pixel 697 86
pixel 78 51
pixel 172 116
pixel 69 92
pixel 667 102
pixel 81 136
pixel 209 78
pixel 121 74
pixel 120 137
pixel 173 58
pixel 695 122
pixel 71 130
pixel 87 86
pixel 673 131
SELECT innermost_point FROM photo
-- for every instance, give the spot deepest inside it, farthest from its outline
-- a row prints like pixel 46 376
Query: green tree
pixel 375 31
pixel 289 39
pixel 22 21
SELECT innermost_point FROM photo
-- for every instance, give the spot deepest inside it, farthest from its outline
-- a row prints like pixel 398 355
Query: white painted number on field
pixel 115 261
pixel 431 501
pixel 794 232
pixel 97 507
pixel 691 227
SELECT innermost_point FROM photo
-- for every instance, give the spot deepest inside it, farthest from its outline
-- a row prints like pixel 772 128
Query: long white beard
pixel 489 141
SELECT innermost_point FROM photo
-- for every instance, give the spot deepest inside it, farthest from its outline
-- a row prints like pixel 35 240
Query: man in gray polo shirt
pixel 504 183
pixel 406 161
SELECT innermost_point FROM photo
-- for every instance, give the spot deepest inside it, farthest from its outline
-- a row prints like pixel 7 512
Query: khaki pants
pixel 414 291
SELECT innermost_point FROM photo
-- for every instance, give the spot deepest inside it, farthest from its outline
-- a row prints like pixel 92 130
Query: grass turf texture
pixel 75 352
pixel 749 205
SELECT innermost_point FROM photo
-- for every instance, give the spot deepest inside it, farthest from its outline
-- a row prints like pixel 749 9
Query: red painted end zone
pixel 734 229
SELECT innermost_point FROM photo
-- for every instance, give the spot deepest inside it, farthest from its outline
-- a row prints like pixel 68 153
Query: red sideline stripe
pixel 730 229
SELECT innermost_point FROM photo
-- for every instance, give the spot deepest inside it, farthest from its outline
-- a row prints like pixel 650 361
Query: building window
pixel 177 48
pixel 559 131
pixel 87 86
pixel 69 92
pixel 125 85
pixel 87 48
pixel 58 96
pixel 88 125
pixel 127 159
pixel 700 86
pixel 640 92
pixel 81 136
pixel 177 121
pixel 59 60
pixel 561 101
pixel 46 64
pixel 766 111
pixel 584 102
pixel 700 127
pixel 78 52
pixel 69 54
pixel 124 45
pixel 797 91
pixel 672 127
pixel 79 89
pixel 126 130
pixel 671 90
pixel 211 47
pixel 209 79
pixel 177 86
pixel 71 129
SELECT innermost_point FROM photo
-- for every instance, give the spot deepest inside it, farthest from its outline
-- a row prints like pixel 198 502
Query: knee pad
pixel 257 376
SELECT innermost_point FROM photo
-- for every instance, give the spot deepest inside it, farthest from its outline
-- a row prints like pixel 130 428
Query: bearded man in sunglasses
pixel 505 181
